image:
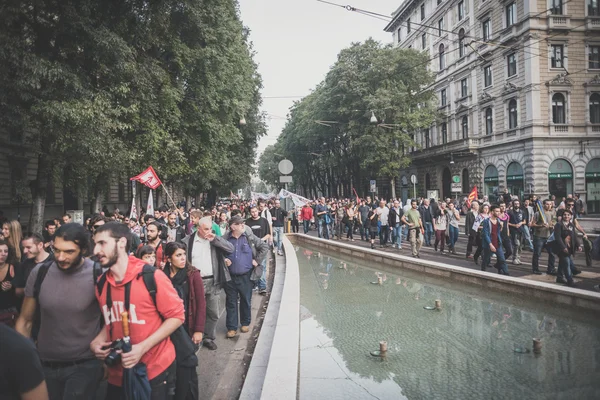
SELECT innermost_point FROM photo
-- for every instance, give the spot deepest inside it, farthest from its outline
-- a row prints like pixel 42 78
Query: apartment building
pixel 518 88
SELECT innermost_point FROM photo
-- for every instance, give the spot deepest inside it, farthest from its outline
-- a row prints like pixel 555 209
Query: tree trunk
pixel 38 193
pixel 393 185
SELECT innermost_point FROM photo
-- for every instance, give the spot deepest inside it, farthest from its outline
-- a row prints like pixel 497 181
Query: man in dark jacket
pixel 427 217
pixel 174 232
pixel 207 251
pixel 245 268
pixel 469 221
pixel 564 245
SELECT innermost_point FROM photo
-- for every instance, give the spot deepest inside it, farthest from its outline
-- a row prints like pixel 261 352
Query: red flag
pixel 148 178
pixel 472 196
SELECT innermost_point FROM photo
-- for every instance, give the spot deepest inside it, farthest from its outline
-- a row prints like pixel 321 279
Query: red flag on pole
pixel 472 196
pixel 148 178
pixel 357 198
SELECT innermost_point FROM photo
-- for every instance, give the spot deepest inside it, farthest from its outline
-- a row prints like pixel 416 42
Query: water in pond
pixel 465 351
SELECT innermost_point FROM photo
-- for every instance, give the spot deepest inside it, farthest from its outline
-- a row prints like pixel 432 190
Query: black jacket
pixel 469 221
pixel 392 217
pixel 561 236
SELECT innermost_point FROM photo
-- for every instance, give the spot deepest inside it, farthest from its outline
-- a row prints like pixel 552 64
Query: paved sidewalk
pixel 586 280
pixel 221 373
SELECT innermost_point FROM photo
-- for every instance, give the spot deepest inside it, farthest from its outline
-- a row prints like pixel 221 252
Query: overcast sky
pixel 298 41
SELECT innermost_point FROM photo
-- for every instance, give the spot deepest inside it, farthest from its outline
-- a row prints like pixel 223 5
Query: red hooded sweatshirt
pixel 144 319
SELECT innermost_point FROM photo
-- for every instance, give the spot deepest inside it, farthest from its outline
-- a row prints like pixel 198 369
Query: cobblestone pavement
pixel 586 280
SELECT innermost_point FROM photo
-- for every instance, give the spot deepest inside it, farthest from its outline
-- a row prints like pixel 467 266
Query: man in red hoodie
pixel 149 325
pixel 306 215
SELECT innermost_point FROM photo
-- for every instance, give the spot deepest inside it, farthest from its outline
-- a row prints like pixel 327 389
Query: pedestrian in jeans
pixel 306 215
pixel 516 220
pixel 278 215
pixel 260 228
pixel 542 225
pixel 427 218
pixel 453 219
pixel 64 293
pixel 469 221
pixel 440 223
pixel 320 213
pixel 412 218
pixel 565 244
pixel 383 212
pixel 492 241
pixel 478 227
pixel 395 221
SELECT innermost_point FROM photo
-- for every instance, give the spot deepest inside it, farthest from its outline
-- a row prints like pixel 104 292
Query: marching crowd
pixel 498 232
pixel 87 309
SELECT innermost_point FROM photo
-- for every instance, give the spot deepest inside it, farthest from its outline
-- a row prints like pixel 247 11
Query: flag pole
pixel 167 192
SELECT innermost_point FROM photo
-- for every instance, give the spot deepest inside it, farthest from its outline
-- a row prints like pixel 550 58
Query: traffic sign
pixel 456 187
pixel 413 179
pixel 286 167
pixel 285 179
pixel 373 185
pixel 456 179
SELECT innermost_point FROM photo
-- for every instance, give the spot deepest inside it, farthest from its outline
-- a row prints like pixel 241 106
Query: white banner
pixel 299 201
pixel 133 213
pixel 261 196
pixel 150 206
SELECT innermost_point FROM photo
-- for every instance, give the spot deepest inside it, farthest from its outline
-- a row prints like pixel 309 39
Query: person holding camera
pixel 69 316
pixel 150 323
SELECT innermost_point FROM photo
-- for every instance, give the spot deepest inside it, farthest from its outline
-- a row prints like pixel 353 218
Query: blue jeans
pixel 527 236
pixel 500 260
pixel 323 228
pixel 539 244
pixel 306 224
pixel 239 285
pixel 278 236
pixel 262 282
pixel 428 233
pixel 565 266
pixel 364 230
pixel 453 234
pixel 397 235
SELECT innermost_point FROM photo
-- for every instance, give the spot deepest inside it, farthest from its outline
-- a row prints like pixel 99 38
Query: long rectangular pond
pixel 475 347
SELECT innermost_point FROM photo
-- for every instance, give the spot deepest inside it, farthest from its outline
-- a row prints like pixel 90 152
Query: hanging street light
pixel 373 118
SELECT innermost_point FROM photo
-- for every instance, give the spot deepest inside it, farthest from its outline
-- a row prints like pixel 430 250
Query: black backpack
pixel 184 347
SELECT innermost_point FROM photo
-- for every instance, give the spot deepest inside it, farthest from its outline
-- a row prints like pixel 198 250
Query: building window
pixel 439 2
pixel 511 14
pixel 487 76
pixel 463 88
pixel 595 108
pixel 557 56
pixel 442 57
pixel 422 11
pixel 399 35
pixel 408 26
pixel 461 43
pixel 443 98
pixel 489 121
pixel 593 8
pixel 594 57
pixel 465 127
pixel 511 61
pixel 461 10
pixel 426 134
pixel 558 109
pixel 512 114
pixel 440 27
pixel 444 133
pixel 486 27
pixel 424 41
pixel 557 7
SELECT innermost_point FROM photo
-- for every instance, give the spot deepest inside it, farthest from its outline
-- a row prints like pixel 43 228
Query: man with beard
pixel 516 220
pixel 154 240
pixel 69 316
pixel 174 232
pixel 48 234
pixel 151 321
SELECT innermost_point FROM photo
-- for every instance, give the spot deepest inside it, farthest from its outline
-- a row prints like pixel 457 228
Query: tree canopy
pixel 106 88
pixel 329 135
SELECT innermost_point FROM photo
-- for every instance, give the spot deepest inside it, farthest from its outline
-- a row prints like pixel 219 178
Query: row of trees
pixel 107 87
pixel 330 136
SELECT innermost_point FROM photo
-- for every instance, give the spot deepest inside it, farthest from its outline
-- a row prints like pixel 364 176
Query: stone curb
pixel 582 299
pixel 273 371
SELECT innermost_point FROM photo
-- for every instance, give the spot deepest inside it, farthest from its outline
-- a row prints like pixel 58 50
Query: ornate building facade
pixel 518 86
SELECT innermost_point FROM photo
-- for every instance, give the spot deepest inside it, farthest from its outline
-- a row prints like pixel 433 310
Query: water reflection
pixel 465 351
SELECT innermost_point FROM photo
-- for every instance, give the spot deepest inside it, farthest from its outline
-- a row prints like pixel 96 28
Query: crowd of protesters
pixel 152 284
pixel 495 233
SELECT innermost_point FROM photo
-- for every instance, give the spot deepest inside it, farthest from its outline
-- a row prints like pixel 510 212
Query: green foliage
pixel 110 87
pixel 346 150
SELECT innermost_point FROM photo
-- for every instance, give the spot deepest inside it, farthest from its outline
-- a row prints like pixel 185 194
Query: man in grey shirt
pixel 69 316
pixel 384 231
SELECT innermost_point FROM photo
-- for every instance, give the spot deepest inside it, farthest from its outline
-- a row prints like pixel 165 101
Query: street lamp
pixel 451 159
pixel 242 121
pixel 373 118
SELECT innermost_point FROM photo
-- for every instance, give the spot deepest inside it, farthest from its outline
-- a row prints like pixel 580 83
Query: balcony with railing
pixel 592 23
pixel 467 144
pixel 560 128
pixel 557 22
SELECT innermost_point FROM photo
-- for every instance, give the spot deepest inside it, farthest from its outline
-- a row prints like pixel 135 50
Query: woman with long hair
pixel 350 219
pixel 8 299
pixel 222 222
pixel 11 231
pixel 188 283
